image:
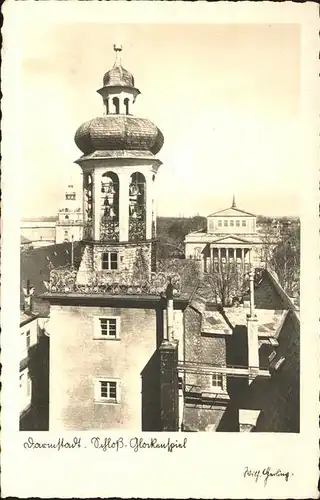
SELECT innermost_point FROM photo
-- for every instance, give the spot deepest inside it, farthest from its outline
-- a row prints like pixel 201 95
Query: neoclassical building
pixel 231 237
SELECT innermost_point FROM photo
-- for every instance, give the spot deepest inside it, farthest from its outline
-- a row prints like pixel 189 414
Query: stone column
pixel 169 386
pixel 242 259
pixel 227 256
pixel 84 196
pixel 123 206
pixel 96 202
pixel 219 258
pixel 149 205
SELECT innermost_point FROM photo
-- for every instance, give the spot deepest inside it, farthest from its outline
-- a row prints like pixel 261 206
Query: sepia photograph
pixel 160 250
pixel 160 242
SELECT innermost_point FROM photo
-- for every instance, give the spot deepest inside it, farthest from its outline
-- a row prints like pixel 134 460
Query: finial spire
pixel 234 201
pixel 118 49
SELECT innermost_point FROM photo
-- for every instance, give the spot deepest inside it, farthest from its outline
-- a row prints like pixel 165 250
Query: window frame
pixel 219 223
pixel 237 223
pixel 97 390
pixel 97 328
pixel 225 223
pixel 109 253
pixel 243 223
pixel 221 387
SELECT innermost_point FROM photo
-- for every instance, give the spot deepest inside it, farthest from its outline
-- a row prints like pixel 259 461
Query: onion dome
pixel 118 132
pixel 118 76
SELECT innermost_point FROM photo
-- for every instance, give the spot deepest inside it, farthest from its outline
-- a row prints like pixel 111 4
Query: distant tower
pixel 70 220
pixel 119 169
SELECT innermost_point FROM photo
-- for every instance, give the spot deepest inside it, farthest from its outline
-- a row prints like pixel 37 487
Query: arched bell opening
pixel 137 207
pixel 109 222
pixel 88 207
pixel 116 105
pixel 126 105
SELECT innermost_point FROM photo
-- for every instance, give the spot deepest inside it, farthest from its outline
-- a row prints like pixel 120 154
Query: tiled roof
pixel 26 318
pixel 213 322
pixel 278 397
pixel 268 320
pixel 35 265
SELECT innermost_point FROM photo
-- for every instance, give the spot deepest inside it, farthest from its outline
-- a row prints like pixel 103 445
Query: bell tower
pixel 119 167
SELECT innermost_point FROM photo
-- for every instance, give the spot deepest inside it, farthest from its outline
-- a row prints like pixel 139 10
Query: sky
pixel 226 97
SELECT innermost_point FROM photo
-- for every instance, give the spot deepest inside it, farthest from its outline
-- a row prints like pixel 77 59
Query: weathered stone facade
pixel 132 259
pixel 78 358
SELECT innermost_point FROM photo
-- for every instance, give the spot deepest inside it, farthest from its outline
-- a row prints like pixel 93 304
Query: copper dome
pixel 118 76
pixel 118 132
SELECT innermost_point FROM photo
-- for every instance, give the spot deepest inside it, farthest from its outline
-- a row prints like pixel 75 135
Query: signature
pixel 266 474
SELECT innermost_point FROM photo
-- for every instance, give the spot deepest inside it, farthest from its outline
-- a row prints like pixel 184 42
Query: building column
pixel 123 206
pixel 227 256
pixel 96 201
pixel 219 258
pixel 84 196
pixel 242 260
pixel 250 258
pixel 149 205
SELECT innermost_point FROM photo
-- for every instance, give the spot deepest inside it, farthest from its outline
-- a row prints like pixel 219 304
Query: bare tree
pixel 226 281
pixel 285 260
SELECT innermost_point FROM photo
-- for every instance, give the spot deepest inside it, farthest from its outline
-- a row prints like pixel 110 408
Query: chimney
pixel 169 382
pixel 252 332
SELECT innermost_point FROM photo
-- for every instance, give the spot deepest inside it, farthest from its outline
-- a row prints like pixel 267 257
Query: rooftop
pixel 231 212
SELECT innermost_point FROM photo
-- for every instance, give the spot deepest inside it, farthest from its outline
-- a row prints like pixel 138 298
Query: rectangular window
pixel 108 327
pixel 244 223
pixel 225 223
pixel 110 261
pixel 237 223
pixel 231 223
pixel 106 390
pixel 217 380
pixel 219 223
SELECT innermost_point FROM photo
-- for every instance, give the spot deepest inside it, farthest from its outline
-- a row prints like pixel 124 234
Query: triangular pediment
pixel 230 240
pixel 231 212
